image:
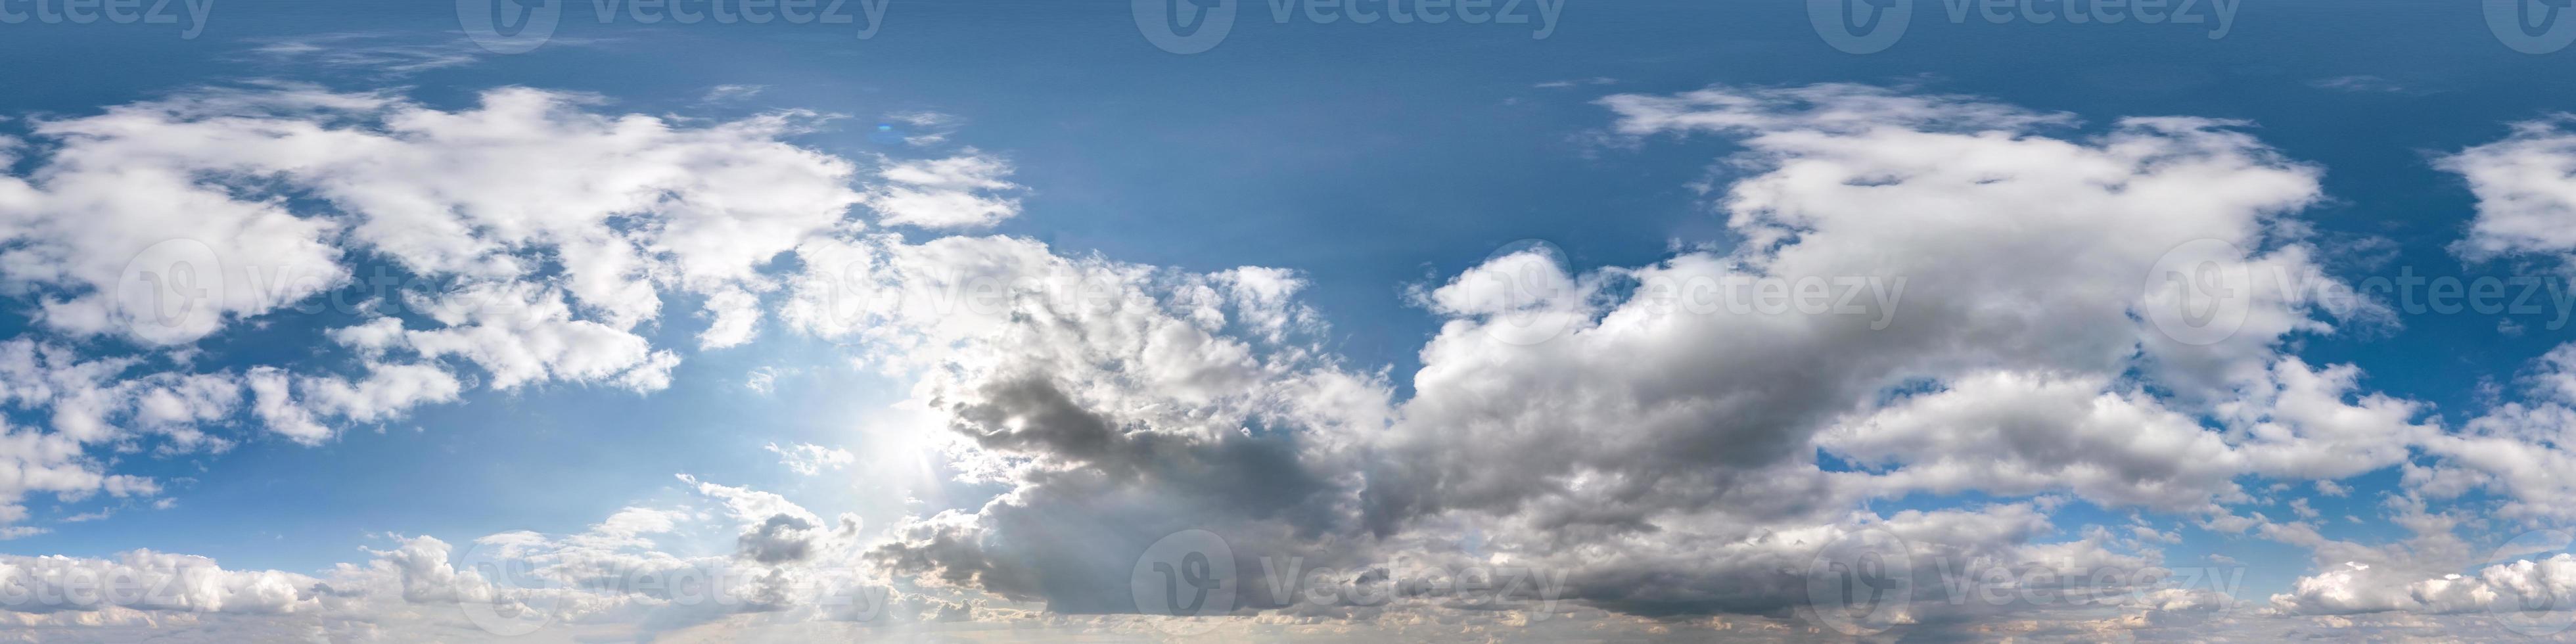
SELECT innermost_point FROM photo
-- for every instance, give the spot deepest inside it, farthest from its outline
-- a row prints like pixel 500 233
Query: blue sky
pixel 1301 221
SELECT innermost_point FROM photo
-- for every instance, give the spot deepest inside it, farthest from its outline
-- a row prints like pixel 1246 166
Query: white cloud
pixel 379 53
pixel 732 92
pixel 147 580
pixel 809 459
pixel 1661 459
pixel 2526 200
pixel 958 192
pixel 537 237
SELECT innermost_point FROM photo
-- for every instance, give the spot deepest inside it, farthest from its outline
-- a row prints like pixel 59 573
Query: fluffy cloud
pixel 1647 439
pixel 524 239
pixel 146 580
pixel 1668 396
pixel 1119 400
pixel 1598 425
pixel 2018 435
pixel 2526 203
pixel 2423 573
pixel 525 236
pixel 954 192
pixel 615 577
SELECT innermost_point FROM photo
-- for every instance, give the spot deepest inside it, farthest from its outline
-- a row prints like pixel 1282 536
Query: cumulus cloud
pixel 1651 450
pixel 146 580
pixel 618 576
pixel 1661 456
pixel 1664 399
pixel 2526 203
pixel 533 238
